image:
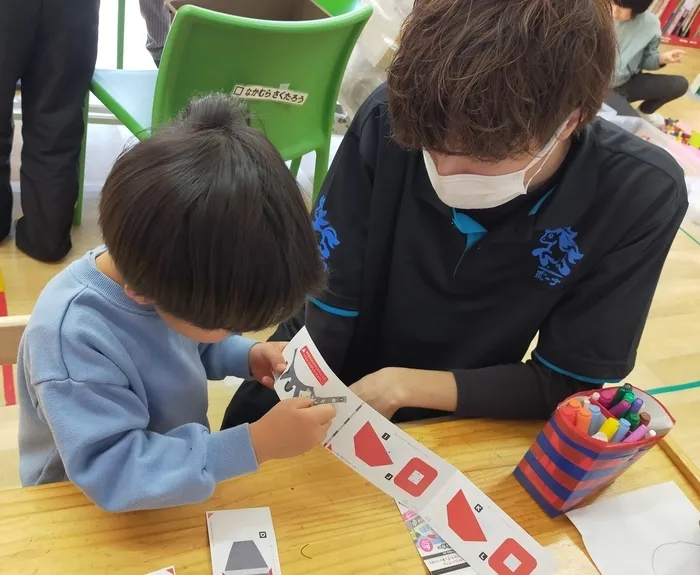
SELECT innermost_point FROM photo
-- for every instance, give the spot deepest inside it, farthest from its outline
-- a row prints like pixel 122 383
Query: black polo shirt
pixel 414 283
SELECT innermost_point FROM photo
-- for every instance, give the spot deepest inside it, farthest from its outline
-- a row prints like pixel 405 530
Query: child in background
pixel 206 234
pixel 638 35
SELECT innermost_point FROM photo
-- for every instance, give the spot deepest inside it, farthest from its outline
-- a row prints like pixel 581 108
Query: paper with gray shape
pixel 245 559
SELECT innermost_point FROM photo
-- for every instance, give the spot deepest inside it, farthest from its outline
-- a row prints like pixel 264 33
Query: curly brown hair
pixel 493 79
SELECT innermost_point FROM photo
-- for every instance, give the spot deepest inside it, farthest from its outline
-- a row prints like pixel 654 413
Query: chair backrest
pixel 11 330
pixel 209 52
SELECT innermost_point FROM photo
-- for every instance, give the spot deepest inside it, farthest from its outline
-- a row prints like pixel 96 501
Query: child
pixel 206 235
pixel 638 36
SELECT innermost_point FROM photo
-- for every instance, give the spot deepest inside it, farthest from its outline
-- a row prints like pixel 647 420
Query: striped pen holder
pixel 564 467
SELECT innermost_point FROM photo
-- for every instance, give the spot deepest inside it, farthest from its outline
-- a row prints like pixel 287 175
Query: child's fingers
pixel 268 381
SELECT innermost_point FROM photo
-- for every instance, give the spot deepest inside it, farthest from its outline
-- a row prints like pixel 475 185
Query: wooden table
pixel 685 408
pixel 344 525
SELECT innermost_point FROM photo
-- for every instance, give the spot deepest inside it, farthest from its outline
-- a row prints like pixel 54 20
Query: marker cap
pixel 609 427
pixel 644 418
pixel 601 436
pixel 569 413
pixel 620 409
pixel 622 430
pixel 637 405
pixel 606 396
pixel 575 404
pixel 583 420
pixel 596 419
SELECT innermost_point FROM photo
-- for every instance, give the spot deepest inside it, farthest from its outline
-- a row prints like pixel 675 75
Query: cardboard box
pixel 286 10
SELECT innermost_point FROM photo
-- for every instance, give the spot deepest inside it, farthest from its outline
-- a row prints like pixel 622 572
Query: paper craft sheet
pixel 439 558
pixel 243 542
pixel 167 571
pixel 651 531
pixel 464 517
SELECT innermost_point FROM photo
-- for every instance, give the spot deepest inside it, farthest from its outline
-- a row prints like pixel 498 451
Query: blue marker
pixel 621 431
pixel 597 419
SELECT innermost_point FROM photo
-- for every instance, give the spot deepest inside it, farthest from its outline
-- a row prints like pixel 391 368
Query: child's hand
pixel 266 361
pixel 290 428
pixel 672 57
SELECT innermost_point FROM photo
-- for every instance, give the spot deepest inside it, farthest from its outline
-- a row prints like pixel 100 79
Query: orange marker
pixel 583 420
pixel 575 403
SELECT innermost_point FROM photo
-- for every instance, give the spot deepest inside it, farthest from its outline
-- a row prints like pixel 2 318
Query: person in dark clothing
pixel 638 34
pixel 51 46
pixel 474 205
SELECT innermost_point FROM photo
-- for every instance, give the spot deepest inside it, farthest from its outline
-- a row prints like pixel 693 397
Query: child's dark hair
pixel 637 6
pixel 204 219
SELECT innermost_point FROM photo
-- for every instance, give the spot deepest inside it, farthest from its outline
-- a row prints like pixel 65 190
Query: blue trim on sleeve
pixel 583 378
pixel 334 310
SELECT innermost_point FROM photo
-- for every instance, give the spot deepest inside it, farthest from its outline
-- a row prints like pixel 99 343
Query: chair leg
pixel 294 168
pixel 322 156
pixel 120 33
pixel 78 212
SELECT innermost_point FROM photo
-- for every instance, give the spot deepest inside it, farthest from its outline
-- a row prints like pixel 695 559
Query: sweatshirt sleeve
pixel 101 434
pixel 228 357
pixel 527 390
pixel 651 58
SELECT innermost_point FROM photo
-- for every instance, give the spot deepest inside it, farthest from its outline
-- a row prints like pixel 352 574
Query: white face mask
pixel 476 192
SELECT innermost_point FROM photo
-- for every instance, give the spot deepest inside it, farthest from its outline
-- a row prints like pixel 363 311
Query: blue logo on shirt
pixel 559 252
pixel 328 239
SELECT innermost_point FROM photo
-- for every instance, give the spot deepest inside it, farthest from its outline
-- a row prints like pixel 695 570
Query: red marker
pixel 569 413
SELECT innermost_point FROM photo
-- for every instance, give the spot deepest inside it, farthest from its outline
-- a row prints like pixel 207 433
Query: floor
pixel 668 355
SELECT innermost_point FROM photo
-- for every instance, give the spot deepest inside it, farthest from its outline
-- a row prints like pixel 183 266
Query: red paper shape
pixel 404 480
pixel 209 515
pixel 369 448
pixel 509 547
pixel 461 519
pixel 310 360
pixel 170 570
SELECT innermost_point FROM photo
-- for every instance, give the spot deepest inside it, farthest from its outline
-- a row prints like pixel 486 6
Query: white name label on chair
pixel 281 95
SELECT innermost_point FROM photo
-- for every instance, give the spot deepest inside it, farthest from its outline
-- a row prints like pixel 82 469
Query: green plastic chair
pixel 209 52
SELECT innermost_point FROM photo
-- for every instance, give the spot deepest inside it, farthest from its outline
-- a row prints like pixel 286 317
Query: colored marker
pixel 637 435
pixel 622 430
pixel 569 413
pixel 637 405
pixel 575 403
pixel 606 396
pixel 597 420
pixel 644 418
pixel 633 418
pixel 583 420
pixel 601 436
pixel 609 427
pixel 620 394
pixel 620 409
pixel 650 434
pixel 629 396
pixel 595 396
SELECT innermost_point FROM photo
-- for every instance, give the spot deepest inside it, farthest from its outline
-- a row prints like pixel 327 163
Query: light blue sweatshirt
pixel 638 46
pixel 115 401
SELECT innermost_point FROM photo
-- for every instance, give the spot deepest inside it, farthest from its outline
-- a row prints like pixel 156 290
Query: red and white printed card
pixel 166 571
pixel 473 525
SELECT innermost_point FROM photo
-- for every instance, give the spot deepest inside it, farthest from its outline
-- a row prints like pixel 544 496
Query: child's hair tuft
pixel 204 219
